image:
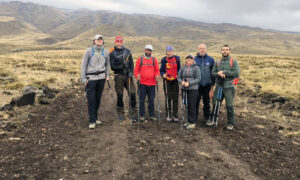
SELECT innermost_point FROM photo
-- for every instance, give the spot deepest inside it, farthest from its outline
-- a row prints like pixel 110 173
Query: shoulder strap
pixel 93 53
pixel 153 60
pixel 231 62
pixel 218 63
pixel 141 62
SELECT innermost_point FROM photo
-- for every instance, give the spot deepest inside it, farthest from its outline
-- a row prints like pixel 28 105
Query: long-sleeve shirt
pixel 147 71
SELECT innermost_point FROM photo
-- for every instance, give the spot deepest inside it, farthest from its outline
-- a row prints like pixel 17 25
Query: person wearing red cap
pixel 147 72
pixel 121 63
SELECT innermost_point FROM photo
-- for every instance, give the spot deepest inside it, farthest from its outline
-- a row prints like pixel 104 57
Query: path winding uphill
pixel 54 143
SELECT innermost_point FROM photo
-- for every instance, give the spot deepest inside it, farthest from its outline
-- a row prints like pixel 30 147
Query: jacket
pixel 147 71
pixel 95 64
pixel 192 74
pixel 206 64
pixel 230 72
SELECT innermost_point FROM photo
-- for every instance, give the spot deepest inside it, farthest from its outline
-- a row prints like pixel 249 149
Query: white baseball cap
pixel 148 46
pixel 97 36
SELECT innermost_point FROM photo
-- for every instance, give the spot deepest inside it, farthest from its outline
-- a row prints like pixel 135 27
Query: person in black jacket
pixel 122 64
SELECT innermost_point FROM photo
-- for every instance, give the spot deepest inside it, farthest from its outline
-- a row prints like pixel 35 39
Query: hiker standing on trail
pixel 189 77
pixel 147 73
pixel 226 71
pixel 121 63
pixel 206 85
pixel 170 66
pixel 95 69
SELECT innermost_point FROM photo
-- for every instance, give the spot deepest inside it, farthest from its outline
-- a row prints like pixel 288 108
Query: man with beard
pixel 226 71
pixel 147 73
pixel 122 64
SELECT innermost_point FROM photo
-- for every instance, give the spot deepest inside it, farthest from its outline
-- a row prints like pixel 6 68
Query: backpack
pixel 235 80
pixel 172 70
pixel 93 53
pixel 143 59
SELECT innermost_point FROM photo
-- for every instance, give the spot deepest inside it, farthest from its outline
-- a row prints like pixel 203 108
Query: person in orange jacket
pixel 147 73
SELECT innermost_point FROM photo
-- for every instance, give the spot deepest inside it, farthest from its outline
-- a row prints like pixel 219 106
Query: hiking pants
pixel 192 101
pixel 203 91
pixel 228 94
pixel 94 90
pixel 150 91
pixel 173 90
pixel 121 82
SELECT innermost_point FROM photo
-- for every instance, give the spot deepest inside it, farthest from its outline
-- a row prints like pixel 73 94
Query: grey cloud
pixel 274 14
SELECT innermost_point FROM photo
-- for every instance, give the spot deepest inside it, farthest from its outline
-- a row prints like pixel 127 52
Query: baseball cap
pixel 148 46
pixel 97 36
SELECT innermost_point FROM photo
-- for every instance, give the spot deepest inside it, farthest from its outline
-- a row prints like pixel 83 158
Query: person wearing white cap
pixel 95 69
pixel 147 72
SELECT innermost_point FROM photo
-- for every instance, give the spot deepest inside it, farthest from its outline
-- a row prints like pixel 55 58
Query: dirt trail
pixel 56 144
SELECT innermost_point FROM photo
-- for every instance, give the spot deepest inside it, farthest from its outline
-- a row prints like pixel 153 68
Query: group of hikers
pixel 200 77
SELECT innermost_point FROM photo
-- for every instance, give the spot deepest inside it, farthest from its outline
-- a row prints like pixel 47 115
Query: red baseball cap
pixel 119 39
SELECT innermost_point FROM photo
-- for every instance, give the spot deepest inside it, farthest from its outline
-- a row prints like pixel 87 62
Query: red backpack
pixel 171 68
pixel 235 80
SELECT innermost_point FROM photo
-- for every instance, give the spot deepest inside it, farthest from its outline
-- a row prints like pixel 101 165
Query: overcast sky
pixel 271 14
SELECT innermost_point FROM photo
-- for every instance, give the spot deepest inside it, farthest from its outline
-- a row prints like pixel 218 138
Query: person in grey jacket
pixel 95 68
pixel 189 77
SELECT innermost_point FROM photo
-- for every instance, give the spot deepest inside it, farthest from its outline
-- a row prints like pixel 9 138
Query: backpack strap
pixel 230 61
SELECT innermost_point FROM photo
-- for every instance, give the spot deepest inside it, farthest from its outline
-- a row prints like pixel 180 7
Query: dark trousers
pixel 150 91
pixel 94 90
pixel 121 82
pixel 203 91
pixel 172 90
pixel 192 100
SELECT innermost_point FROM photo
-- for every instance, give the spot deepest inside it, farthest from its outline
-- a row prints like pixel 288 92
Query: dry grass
pixel 57 68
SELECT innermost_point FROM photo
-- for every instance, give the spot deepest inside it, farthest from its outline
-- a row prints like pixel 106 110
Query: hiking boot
pixel 153 118
pixel 175 119
pixel 98 122
pixel 92 126
pixel 142 118
pixel 209 123
pixel 229 127
pixel 169 119
pixel 133 120
pixel 186 124
pixel 190 127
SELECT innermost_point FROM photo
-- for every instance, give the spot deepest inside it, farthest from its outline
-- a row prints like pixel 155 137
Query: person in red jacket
pixel 146 71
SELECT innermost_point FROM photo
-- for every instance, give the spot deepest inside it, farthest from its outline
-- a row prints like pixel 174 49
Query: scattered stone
pixel 251 100
pixel 44 100
pixel 7 107
pixel 287 113
pixel 7 93
pixel 28 89
pixel 26 99
pixel 14 139
pixel 279 99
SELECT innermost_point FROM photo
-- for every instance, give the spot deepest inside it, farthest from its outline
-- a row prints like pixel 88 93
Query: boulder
pixel 26 99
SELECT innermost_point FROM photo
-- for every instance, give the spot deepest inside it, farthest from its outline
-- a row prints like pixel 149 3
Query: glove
pixel 130 74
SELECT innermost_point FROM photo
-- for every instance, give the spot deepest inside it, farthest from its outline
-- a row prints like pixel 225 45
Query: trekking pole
pixel 158 105
pixel 138 85
pixel 167 98
pixel 129 96
pixel 216 112
pixel 112 95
